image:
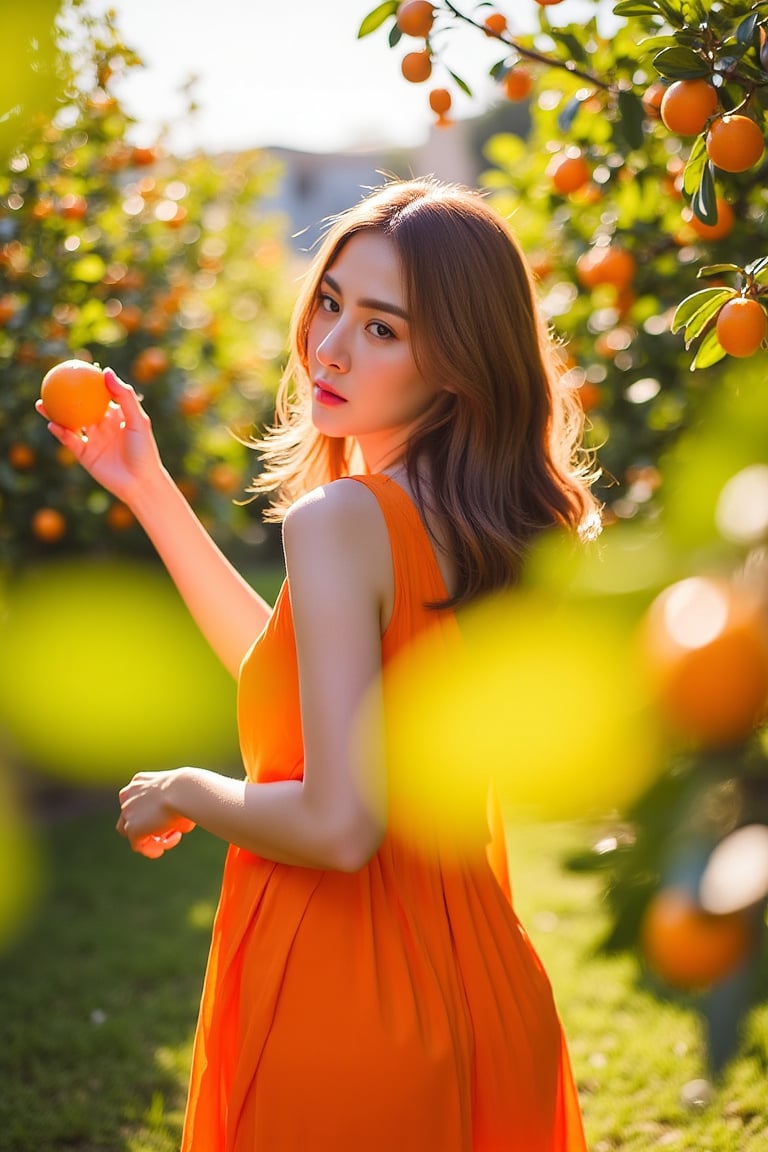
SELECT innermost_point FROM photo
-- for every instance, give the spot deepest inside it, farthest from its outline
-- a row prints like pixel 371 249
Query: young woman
pixel 364 992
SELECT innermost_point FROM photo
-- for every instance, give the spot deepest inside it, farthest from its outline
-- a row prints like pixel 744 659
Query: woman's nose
pixel 332 351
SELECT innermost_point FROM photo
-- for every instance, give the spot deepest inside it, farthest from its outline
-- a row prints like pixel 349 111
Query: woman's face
pixel 365 383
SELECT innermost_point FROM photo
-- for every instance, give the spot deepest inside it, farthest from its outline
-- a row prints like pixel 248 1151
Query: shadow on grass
pixel 100 992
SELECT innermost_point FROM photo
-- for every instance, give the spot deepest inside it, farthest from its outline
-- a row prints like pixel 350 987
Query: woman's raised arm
pixel 120 453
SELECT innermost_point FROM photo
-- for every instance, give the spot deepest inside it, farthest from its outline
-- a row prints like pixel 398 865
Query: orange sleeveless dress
pixel 400 1008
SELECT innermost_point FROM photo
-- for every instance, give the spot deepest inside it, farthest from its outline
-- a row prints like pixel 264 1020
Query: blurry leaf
pixel 680 64
pixel 376 18
pixel 709 352
pixel 656 43
pixel 632 118
pixel 574 48
pixel 90 269
pixel 696 310
pixel 568 114
pixel 32 75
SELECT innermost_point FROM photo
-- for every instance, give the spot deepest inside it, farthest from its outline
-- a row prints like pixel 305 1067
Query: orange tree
pixel 162 268
pixel 638 194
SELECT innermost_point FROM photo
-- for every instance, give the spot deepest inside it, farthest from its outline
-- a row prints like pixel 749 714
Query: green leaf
pixel 460 83
pixel 574 48
pixel 745 33
pixel 709 352
pixel 680 64
pixel 704 200
pixel 395 35
pixel 376 18
pixel 756 266
pixel 632 118
pixel 694 168
pixel 636 8
pixel 707 301
pixel 718 269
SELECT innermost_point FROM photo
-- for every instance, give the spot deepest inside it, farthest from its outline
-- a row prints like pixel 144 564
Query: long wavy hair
pixel 501 444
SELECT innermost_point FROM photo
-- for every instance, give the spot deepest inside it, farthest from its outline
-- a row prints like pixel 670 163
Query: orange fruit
pixel 741 326
pixel 119 517
pixel 415 17
pixel 517 84
pixel 688 947
pixel 440 101
pixel 21 456
pixel 495 24
pixel 705 643
pixel 223 477
pixel 735 143
pixel 48 525
pixel 548 3
pixel 416 67
pixel 717 231
pixel 607 264
pixel 143 156
pixel 9 306
pixel 687 105
pixel 651 99
pixel 74 394
pixel 73 206
pixel 129 317
pixel 149 364
pixel 568 171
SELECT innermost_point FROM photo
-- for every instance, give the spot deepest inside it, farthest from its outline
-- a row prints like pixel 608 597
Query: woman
pixel 364 991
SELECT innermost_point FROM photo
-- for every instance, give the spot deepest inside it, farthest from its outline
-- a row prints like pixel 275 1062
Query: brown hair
pixel 501 442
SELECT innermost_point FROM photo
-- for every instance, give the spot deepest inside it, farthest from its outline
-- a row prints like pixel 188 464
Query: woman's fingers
pixel 124 395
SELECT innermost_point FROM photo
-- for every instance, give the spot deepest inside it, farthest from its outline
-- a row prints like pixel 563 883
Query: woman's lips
pixel 326 395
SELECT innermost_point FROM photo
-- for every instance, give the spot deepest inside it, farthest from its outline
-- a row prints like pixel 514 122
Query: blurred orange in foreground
pixel 687 947
pixel 74 394
pixel 706 642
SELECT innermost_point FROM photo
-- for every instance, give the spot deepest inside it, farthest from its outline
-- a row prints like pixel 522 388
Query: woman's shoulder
pixel 341 516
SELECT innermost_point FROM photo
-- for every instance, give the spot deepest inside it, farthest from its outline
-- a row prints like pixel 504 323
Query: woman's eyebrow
pixel 368 301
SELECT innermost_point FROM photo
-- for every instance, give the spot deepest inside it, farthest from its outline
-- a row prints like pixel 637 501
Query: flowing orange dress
pixel 400 1008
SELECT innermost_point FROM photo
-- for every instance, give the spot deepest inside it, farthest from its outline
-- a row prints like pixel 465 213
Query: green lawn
pixel 99 995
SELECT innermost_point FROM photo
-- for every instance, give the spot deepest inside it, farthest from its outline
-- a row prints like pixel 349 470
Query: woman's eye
pixel 381 330
pixel 327 303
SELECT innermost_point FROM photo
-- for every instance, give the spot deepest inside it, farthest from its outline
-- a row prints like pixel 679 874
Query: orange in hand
pixel 74 394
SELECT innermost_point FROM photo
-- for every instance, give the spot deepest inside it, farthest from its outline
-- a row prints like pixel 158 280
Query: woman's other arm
pixel 121 455
pixel 338 561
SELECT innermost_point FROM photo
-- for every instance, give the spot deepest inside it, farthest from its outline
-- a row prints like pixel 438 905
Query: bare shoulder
pixel 339 526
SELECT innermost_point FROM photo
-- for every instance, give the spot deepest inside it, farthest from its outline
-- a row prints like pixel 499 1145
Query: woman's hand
pixel 120 451
pixel 147 818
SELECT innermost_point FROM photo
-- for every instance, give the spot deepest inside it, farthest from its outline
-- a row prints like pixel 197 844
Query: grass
pixel 100 991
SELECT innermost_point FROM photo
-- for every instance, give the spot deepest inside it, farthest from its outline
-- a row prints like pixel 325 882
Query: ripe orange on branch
pixel 721 227
pixel 687 105
pixel 517 84
pixel 735 143
pixel 705 643
pixel 416 67
pixel 688 947
pixel 606 264
pixel 440 101
pixel 568 171
pixel 741 326
pixel 74 394
pixel 415 17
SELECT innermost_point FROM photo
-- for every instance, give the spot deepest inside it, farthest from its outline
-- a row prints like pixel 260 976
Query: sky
pixel 293 75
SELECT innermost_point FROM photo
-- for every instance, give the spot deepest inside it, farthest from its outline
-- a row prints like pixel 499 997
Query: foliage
pixel 163 268
pixel 638 244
